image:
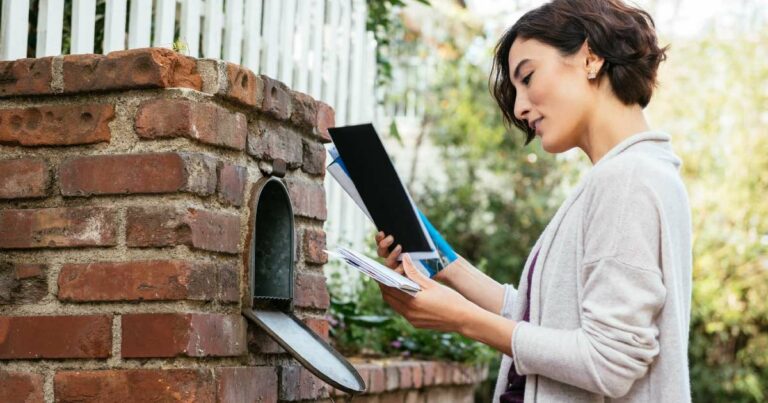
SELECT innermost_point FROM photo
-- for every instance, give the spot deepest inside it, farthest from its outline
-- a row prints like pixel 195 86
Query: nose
pixel 522 106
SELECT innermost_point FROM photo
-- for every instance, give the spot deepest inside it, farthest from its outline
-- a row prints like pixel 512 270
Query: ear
pixel 592 62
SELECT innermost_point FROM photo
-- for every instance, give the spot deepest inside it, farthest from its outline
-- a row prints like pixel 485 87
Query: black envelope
pixel 381 190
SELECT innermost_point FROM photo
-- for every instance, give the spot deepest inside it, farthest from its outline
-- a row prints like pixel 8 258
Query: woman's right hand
pixel 383 242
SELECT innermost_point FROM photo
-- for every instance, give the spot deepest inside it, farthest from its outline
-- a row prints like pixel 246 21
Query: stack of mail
pixel 376 271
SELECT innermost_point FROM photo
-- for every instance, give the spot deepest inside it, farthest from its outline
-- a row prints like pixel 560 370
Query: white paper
pixel 376 270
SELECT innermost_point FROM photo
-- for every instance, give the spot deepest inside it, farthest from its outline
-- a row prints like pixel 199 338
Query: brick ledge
pixel 390 375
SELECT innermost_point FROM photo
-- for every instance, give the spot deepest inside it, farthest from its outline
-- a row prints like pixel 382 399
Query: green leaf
pixel 394 132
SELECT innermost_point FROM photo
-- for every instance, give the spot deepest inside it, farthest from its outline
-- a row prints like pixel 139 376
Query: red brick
pixel 308 199
pixel 23 178
pixel 168 226
pixel 405 371
pixel 22 283
pixel 30 76
pixel 21 387
pixel 228 277
pixel 138 173
pixel 243 86
pixel 319 326
pixel 57 227
pixel 375 380
pixel 417 374
pixel 297 383
pixel 277 99
pixel 148 280
pixel 392 375
pixel 326 117
pixel 207 123
pixel 304 110
pixel 260 342
pixel 428 372
pixel 231 184
pixel 314 246
pixel 129 69
pixel 246 384
pixel 272 141
pixel 85 336
pixel 135 385
pixel 441 374
pixel 313 158
pixel 148 335
pixel 56 125
pixel 311 291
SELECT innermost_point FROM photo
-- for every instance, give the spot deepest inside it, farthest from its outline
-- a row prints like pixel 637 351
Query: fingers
pixel 383 242
pixel 379 238
pixel 413 273
pixel 394 298
pixel 391 260
pixel 383 246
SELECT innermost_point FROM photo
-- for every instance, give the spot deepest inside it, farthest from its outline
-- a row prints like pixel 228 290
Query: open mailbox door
pixel 270 266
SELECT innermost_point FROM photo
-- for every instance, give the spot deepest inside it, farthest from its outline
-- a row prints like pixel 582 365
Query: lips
pixel 535 124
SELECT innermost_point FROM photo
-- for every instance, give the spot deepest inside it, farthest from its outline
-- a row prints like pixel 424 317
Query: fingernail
pixel 398 247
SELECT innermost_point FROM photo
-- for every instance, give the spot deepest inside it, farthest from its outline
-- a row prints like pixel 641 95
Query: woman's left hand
pixel 435 307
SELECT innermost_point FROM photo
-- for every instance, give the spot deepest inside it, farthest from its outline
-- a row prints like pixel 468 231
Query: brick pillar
pixel 123 218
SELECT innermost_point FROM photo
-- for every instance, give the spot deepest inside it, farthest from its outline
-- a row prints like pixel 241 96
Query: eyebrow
pixel 519 66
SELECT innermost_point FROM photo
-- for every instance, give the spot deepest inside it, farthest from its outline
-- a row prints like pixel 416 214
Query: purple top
pixel 516 383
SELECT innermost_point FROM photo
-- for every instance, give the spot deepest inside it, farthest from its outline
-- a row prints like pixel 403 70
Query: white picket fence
pixel 320 47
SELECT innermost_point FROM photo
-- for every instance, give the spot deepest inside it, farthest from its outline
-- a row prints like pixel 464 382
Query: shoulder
pixel 634 186
pixel 633 173
pixel 622 214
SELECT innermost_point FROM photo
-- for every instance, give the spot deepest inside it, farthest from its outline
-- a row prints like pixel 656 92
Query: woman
pixel 603 305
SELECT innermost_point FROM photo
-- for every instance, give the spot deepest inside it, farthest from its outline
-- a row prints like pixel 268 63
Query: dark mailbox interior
pixel 271 277
pixel 271 265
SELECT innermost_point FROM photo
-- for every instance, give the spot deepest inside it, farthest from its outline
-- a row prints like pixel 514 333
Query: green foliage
pixel 714 100
pixel 387 29
pixel 367 326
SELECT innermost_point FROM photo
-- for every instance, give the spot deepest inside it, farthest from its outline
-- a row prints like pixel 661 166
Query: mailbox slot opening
pixel 270 269
pixel 271 264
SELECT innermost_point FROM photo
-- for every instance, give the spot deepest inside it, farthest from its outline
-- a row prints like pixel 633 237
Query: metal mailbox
pixel 271 280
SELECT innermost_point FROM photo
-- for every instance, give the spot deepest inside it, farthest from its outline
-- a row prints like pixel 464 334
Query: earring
pixel 592 74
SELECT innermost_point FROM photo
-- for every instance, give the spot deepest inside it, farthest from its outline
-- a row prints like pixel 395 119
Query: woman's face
pixel 554 95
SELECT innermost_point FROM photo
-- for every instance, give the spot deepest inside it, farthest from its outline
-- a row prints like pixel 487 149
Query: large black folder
pixel 386 199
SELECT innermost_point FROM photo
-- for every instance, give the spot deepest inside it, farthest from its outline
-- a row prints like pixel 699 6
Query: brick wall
pixel 124 188
pixel 125 183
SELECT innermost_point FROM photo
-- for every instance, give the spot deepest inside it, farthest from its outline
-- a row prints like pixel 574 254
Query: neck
pixel 613 123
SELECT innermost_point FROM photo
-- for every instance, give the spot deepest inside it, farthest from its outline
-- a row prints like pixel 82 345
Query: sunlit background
pixel 492 197
pixel 418 69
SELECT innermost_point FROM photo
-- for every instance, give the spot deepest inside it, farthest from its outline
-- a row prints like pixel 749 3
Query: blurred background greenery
pixel 491 196
pixel 496 196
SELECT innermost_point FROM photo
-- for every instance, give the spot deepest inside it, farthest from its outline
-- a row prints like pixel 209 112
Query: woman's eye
pixel 527 79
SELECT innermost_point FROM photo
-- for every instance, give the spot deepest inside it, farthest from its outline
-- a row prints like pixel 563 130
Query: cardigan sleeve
pixel 510 294
pixel 622 291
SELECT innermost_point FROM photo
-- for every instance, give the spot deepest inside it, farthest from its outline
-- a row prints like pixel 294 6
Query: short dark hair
pixel 623 36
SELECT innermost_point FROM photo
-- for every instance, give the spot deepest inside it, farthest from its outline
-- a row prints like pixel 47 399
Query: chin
pixel 550 144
